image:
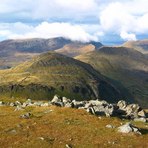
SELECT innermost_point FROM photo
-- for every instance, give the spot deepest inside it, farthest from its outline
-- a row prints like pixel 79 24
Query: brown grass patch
pixel 64 126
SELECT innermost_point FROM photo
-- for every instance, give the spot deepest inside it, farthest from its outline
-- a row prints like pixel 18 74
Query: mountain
pixel 126 68
pixel 14 52
pixel 78 48
pixel 52 73
pixel 141 45
pixel 73 49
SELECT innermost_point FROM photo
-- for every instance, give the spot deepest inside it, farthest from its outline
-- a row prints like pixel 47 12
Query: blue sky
pixel 108 21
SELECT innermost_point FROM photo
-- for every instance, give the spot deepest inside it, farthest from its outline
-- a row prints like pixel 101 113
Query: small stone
pixel 140 120
pixel 13 131
pixel 142 113
pixel 48 111
pixel 109 126
pixel 26 116
pixel 18 108
pixel 41 138
pixel 69 105
pixel 68 146
pixel 2 103
pixel 45 105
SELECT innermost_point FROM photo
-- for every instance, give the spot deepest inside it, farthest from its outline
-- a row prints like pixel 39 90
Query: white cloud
pixel 77 4
pixel 123 17
pixel 47 30
pixel 128 36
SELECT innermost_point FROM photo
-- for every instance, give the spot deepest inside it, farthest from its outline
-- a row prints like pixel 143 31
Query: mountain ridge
pixel 125 66
pixel 14 52
pixel 51 73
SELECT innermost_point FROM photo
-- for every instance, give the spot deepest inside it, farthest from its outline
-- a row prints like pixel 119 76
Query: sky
pixel 107 21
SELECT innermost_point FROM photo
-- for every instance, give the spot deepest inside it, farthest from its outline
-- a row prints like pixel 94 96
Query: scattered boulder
pixel 96 107
pixel 122 105
pixel 128 128
pixel 65 100
pixel 12 104
pixel 56 99
pixel 26 116
pixel 68 146
pixel 38 103
pixel 17 103
pixel 142 113
pixel 140 119
pixel 45 105
pixel 102 110
pixel 2 103
pixel 19 107
pixel 70 105
pixel 129 111
pixel 109 126
pixel 78 104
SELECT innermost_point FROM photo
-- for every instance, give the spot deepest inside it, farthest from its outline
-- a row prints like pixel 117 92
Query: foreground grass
pixel 63 126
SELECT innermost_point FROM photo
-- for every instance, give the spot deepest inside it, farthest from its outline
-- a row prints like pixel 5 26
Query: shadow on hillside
pixel 123 92
pixel 144 131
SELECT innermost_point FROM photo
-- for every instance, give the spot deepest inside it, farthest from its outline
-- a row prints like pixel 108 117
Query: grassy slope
pixel 128 69
pixel 53 71
pixel 73 50
pixel 141 45
pixel 64 126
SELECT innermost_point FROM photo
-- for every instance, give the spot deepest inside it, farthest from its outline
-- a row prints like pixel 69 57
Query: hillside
pixel 78 48
pixel 73 50
pixel 141 45
pixel 52 73
pixel 58 127
pixel 125 67
pixel 14 52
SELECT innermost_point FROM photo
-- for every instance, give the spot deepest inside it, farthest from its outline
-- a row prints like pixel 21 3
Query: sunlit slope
pixel 52 73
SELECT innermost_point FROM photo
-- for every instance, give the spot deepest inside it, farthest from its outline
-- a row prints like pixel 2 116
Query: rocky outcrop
pixel 130 110
pixel 96 107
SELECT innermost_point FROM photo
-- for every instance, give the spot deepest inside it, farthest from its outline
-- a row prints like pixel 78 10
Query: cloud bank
pixel 75 19
pixel 46 30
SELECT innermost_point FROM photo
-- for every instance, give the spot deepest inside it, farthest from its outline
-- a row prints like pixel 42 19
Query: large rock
pixel 122 105
pixel 78 104
pixel 65 100
pixel 129 110
pixel 56 99
pixel 101 110
pixel 128 128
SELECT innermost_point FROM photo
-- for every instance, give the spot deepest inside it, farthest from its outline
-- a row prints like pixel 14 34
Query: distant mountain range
pixel 141 45
pixel 110 73
pixel 14 52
